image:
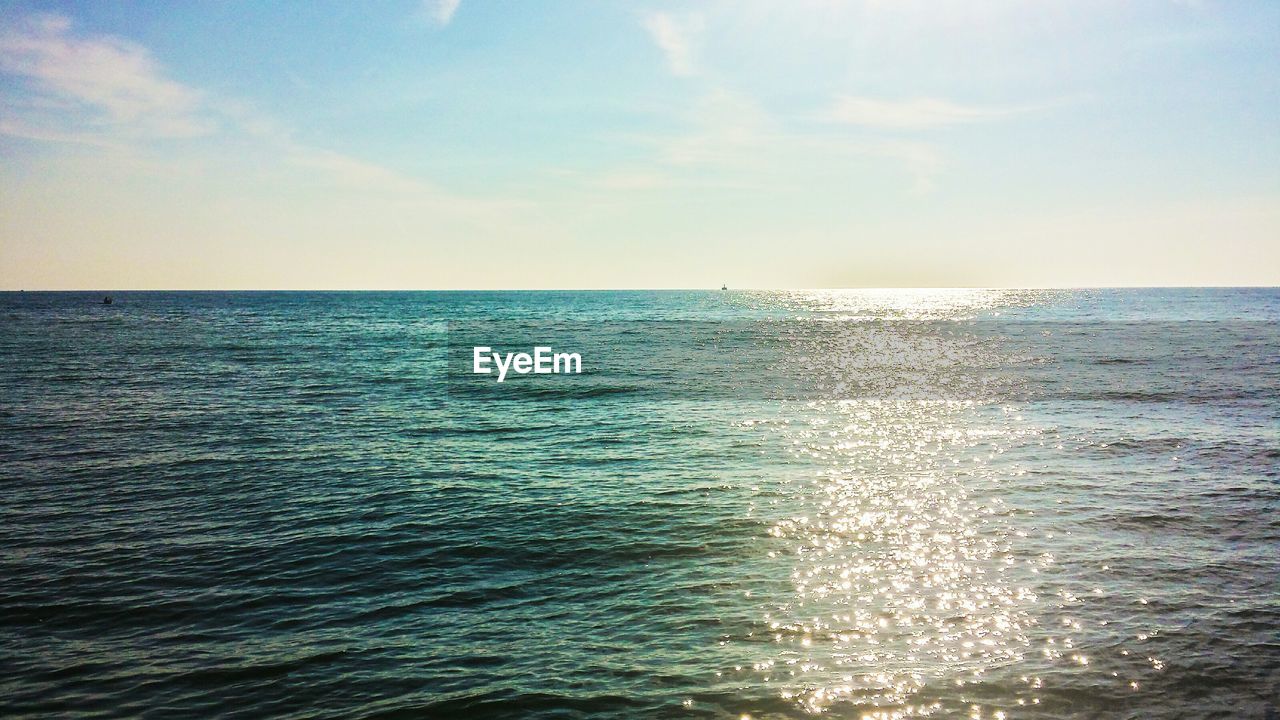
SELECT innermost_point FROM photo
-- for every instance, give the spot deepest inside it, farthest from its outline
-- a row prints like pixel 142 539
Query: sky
pixel 591 144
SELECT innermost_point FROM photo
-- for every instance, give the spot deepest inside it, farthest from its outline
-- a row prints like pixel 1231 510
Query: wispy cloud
pixel 441 11
pixel 909 114
pixel 732 142
pixel 676 36
pixel 109 93
pixel 725 127
pixel 117 80
pixel 27 131
pixel 922 162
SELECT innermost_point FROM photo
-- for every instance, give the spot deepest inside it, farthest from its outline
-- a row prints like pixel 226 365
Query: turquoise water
pixel 864 504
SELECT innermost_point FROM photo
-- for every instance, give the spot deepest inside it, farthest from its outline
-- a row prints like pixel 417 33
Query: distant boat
pixel 724 287
pixel 106 300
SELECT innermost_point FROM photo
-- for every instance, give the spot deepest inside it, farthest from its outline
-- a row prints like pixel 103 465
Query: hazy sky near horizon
pixel 583 144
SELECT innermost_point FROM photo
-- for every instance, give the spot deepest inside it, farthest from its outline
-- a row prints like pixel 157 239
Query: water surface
pixel 872 504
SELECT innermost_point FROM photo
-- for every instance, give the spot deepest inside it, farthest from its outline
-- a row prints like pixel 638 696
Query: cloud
pixel 115 78
pixel 27 131
pixel 731 142
pixel 355 174
pixel 734 133
pixel 908 114
pixel 676 36
pixel 109 93
pixel 441 11
pixel 922 162
pixel 725 126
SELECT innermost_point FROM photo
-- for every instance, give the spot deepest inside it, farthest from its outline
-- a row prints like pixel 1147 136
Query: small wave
pixel 219 676
pixel 567 391
pixel 1151 445
pixel 506 703
pixel 446 430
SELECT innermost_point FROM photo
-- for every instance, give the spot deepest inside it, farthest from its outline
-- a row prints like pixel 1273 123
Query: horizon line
pixel 652 289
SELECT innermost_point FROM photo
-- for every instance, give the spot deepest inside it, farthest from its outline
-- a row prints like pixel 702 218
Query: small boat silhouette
pixel 106 300
pixel 724 287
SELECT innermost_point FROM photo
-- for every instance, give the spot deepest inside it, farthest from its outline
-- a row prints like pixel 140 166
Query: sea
pixel 871 504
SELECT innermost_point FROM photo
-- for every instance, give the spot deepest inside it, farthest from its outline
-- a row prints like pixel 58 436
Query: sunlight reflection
pixel 909 582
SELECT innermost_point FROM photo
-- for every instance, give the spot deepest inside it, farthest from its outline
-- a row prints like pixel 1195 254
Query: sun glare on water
pixel 909 582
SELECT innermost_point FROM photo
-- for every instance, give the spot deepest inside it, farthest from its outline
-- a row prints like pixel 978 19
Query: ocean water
pixel 862 504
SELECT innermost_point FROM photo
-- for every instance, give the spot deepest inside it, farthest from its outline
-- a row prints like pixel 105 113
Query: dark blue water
pixel 875 504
